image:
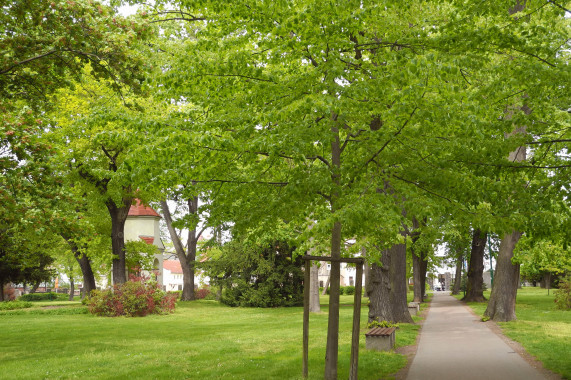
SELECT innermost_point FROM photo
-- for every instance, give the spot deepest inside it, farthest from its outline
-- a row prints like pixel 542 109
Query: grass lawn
pixel 201 340
pixel 542 330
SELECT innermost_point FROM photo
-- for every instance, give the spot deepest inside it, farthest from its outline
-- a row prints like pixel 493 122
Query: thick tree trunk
pixel 314 306
pixel 474 285
pixel 458 275
pixel 118 218
pixel 387 287
pixel 501 307
pixel 1 290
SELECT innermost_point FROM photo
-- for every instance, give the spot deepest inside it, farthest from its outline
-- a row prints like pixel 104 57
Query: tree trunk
pixel 71 288
pixel 314 306
pixel 387 287
pixel 118 219
pixel 187 261
pixel 327 282
pixel 474 285
pixel 1 290
pixel 35 287
pixel 416 266
pixel 458 275
pixel 332 353
pixel 423 269
pixel 501 307
pixel 84 265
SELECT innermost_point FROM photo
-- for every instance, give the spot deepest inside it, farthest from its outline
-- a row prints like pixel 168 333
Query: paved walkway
pixel 454 344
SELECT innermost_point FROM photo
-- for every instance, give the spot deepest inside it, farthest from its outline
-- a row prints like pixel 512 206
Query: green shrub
pixel 50 296
pixel 374 324
pixel 563 294
pixel 349 290
pixel 132 299
pixel 13 305
pixel 252 275
pixel 341 290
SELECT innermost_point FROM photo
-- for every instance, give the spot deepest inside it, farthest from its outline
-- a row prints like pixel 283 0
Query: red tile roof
pixel 138 209
pixel 173 266
pixel 147 239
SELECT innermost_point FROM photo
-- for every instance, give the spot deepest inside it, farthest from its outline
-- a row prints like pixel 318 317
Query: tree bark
pixel 387 287
pixel 458 275
pixel 85 266
pixel 501 307
pixel 35 287
pixel 423 269
pixel 187 259
pixel 331 353
pixel 416 266
pixel 314 306
pixel 2 290
pixel 474 285
pixel 118 219
pixel 327 282
pixel 71 288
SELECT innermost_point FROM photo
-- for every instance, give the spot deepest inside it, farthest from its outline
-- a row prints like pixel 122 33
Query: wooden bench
pixel 380 339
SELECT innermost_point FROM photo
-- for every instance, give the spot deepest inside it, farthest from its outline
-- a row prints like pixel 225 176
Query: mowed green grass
pixel 201 340
pixel 541 329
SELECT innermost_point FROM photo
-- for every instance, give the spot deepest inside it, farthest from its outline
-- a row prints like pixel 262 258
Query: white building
pixel 143 224
pixel 172 275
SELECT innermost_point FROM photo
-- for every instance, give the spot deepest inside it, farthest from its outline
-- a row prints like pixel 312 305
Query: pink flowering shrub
pixel 132 299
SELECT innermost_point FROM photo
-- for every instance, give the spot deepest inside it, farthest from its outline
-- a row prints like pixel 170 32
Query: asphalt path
pixel 455 344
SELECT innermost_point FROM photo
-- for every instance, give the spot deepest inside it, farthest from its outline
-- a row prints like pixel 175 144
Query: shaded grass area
pixel 201 340
pixel 542 330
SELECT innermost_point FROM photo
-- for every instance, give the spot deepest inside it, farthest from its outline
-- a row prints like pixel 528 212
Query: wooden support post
pixel 306 317
pixel 356 323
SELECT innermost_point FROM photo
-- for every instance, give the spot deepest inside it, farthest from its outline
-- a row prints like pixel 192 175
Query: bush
pixel 132 299
pixel 13 305
pixel 265 275
pixel 349 290
pixel 201 293
pixel 176 293
pixel 341 290
pixel 374 324
pixel 39 297
pixel 563 294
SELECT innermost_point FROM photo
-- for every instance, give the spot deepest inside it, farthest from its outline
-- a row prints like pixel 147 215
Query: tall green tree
pixel 316 106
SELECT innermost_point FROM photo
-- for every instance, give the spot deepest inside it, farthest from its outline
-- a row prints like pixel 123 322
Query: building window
pixel 180 287
pixel 321 284
pixel 351 282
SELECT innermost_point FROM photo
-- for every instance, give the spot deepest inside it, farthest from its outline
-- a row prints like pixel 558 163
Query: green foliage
pixel 563 294
pixel 50 296
pixel 348 290
pixel 13 305
pixel 374 324
pixel 257 276
pixel 131 299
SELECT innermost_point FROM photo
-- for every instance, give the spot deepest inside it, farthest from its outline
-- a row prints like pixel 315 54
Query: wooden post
pixel 356 323
pixel 306 317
